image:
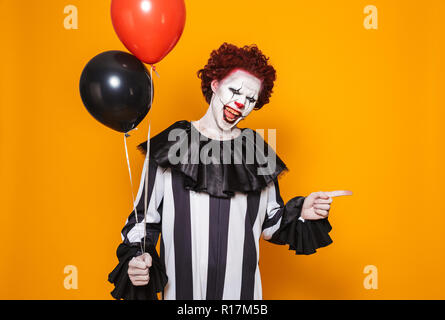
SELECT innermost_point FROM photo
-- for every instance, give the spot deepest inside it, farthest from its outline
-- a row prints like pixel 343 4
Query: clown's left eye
pixel 251 100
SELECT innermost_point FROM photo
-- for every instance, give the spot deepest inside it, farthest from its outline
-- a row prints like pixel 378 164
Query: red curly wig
pixel 229 57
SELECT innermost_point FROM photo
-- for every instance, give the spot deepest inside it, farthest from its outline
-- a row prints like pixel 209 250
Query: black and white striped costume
pixel 209 228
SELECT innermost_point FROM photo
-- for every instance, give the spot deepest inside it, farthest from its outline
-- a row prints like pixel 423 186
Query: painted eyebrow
pixel 236 91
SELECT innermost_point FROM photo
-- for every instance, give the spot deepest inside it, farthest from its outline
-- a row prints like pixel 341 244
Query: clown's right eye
pixel 234 91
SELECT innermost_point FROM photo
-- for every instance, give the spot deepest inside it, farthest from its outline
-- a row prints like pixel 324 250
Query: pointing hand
pixel 317 204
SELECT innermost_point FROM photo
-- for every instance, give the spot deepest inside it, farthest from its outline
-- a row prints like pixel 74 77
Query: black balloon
pixel 116 90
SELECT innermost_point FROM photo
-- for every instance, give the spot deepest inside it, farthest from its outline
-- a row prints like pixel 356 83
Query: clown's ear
pixel 214 85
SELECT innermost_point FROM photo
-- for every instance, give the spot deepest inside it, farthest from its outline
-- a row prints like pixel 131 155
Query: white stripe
pixel 141 186
pixel 168 220
pixel 235 247
pixel 199 216
pixel 267 233
pixel 258 293
pixel 137 232
pixel 262 209
pixel 256 234
pixel 153 215
pixel 273 208
pixel 135 235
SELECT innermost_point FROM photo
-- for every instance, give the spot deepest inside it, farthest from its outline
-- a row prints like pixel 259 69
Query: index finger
pixel 147 259
pixel 339 193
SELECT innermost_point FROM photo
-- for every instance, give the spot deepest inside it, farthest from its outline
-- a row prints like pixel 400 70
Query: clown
pixel 208 207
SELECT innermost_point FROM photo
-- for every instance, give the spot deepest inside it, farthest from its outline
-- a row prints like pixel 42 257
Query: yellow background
pixel 354 109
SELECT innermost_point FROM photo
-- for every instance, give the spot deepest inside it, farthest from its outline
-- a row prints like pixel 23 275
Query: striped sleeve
pixel 133 230
pixel 283 224
pixel 274 210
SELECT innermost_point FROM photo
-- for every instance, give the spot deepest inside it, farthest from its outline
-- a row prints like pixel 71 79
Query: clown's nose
pixel 239 105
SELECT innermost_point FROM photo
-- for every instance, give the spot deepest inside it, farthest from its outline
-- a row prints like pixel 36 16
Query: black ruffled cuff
pixel 303 237
pixel 123 288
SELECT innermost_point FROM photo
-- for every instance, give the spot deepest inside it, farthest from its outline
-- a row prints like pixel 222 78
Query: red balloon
pixel 148 28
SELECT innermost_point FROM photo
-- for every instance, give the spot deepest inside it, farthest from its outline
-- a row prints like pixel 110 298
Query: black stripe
pixel 277 193
pixel 249 253
pixel 219 209
pixel 162 257
pixel 182 239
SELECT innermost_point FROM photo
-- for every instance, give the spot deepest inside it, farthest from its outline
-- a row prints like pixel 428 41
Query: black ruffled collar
pixel 216 178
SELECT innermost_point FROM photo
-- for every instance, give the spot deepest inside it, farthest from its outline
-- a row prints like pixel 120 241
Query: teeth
pixel 232 111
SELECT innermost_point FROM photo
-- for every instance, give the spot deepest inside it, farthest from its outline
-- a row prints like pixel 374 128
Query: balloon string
pixel 153 68
pixel 147 156
pixel 131 183
pixel 147 167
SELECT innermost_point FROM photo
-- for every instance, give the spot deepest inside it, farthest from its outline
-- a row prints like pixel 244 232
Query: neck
pixel 209 127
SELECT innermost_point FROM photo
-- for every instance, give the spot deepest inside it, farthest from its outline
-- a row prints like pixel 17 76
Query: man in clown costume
pixel 209 205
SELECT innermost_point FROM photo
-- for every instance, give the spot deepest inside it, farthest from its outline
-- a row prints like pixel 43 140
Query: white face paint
pixel 234 97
